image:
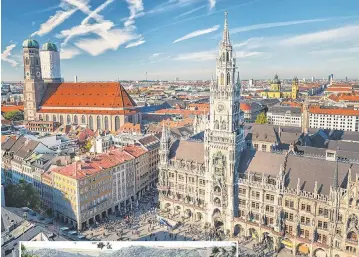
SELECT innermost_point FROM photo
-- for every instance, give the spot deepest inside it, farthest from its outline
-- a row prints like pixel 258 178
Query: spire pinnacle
pixel 226 40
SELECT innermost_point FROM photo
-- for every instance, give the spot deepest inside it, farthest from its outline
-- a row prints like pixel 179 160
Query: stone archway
pixel 238 230
pixel 268 240
pixel 188 213
pixel 253 233
pixel 177 210
pixel 319 252
pixel 167 207
pixel 199 216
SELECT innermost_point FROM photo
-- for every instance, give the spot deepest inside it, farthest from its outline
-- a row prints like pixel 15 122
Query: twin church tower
pixel 40 67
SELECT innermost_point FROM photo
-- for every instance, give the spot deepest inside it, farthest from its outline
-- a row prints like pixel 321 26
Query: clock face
pixel 27 74
pixel 220 107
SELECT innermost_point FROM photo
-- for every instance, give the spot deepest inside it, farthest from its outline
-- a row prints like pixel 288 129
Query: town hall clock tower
pixel 224 139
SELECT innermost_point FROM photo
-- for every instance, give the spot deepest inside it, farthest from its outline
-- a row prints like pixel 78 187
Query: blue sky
pixel 111 39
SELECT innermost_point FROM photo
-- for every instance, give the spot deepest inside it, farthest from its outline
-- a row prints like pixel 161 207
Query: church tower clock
pixel 224 139
pixel 34 88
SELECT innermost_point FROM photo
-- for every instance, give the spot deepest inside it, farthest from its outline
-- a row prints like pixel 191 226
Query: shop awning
pixel 287 243
pixel 303 249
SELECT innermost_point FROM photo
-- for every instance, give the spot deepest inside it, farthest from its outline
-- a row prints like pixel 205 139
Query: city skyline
pixel 111 39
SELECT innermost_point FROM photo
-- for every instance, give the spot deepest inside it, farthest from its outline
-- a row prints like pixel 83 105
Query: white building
pixel 334 118
pixel 50 63
pixel 285 116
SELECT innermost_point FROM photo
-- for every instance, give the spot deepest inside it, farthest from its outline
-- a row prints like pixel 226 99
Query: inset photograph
pixel 129 249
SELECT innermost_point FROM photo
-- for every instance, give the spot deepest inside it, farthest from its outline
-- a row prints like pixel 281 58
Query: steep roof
pixel 187 150
pixel 89 94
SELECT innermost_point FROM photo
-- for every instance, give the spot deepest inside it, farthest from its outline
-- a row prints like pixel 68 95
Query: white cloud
pixel 68 53
pixel 53 21
pixel 274 24
pixel 160 60
pixel 197 33
pixel 172 5
pixel 191 11
pixel 94 14
pixel 156 54
pixel 7 53
pixel 136 10
pixel 341 34
pixel 212 4
pixel 244 54
pixel 137 43
pixel 332 51
pixel 110 39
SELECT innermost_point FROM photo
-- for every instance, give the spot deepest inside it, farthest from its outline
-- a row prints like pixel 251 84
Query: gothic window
pixel 47 117
pixel 61 119
pixel 227 57
pixel 98 122
pixel 76 120
pixel 90 122
pixel 352 236
pixel 222 79
pixel 27 61
pixel 83 119
pixel 37 61
pixel 68 120
pixel 106 123
pixel 54 118
pixel 223 126
pixel 117 123
pixel 216 124
pixel 224 57
pixel 228 78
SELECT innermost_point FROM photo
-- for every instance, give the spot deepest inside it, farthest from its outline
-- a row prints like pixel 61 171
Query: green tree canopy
pixel 14 115
pixel 261 118
pixel 22 195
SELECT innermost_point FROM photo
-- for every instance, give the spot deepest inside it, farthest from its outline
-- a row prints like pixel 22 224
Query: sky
pixel 123 39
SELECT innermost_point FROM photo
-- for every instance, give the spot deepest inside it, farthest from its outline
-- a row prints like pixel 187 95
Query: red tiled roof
pixel 90 94
pixel 245 107
pixel 134 150
pixel 345 97
pixel 130 127
pixel 333 111
pixel 339 89
pixel 97 164
pixel 11 108
pixel 77 111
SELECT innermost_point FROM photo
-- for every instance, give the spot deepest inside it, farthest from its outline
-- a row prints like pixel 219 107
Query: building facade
pixel 285 116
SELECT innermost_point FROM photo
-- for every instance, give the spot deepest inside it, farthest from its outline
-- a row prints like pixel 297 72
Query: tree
pixel 261 118
pixel 88 145
pixel 14 115
pixel 22 195
pixel 24 252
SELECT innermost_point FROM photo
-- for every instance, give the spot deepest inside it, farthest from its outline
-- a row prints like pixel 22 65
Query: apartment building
pixel 285 116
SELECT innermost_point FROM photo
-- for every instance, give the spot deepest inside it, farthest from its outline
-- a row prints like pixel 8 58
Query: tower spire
pixel 226 40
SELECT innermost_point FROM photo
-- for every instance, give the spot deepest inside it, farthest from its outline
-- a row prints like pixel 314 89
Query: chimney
pixel 75 79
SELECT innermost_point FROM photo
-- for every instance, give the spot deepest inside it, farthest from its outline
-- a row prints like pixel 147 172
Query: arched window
pixel 47 117
pixel 37 61
pixel 228 78
pixel 83 119
pixel 98 122
pixel 227 57
pixel 54 118
pixel 222 79
pixel 76 120
pixel 68 119
pixel 27 61
pixel 61 119
pixel 106 123
pixel 117 123
pixel 224 56
pixel 90 122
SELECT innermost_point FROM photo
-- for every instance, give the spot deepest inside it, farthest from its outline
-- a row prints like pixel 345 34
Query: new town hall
pixel 307 203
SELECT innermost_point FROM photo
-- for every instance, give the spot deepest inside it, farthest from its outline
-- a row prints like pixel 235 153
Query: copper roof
pixel 89 94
